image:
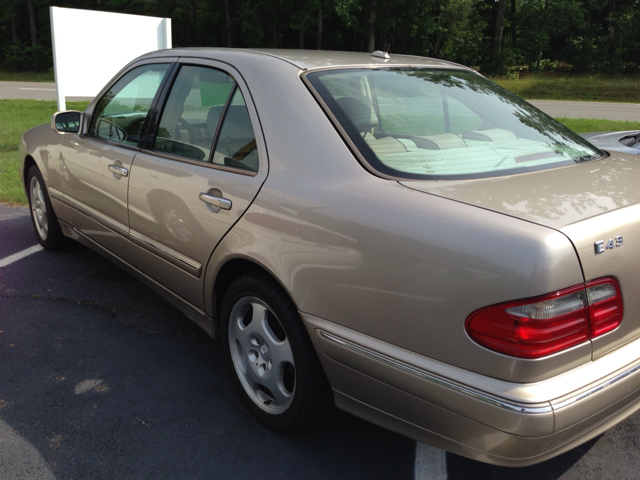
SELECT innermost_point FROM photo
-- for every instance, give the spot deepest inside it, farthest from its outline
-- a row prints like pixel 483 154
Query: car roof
pixel 312 59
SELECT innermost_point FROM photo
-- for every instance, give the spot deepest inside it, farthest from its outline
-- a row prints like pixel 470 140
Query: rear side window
pixel 120 114
pixel 206 119
pixel 192 113
pixel 443 124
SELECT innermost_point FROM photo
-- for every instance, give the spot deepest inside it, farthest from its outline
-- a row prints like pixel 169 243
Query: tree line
pixel 497 36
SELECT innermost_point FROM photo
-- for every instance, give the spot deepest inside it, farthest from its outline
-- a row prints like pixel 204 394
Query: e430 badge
pixel 600 245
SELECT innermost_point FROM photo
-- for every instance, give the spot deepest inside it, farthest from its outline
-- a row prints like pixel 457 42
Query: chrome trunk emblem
pixel 600 247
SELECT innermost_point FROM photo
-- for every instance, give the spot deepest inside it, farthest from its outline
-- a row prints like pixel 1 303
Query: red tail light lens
pixel 540 326
pixel 605 305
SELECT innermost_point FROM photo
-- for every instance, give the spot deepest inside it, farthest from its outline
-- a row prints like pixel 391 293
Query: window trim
pixel 153 119
pixel 223 117
pixel 200 163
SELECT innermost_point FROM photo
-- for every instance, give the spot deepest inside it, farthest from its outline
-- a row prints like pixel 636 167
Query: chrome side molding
pixel 175 258
pixel 596 389
pixel 99 217
pixel 553 407
pixel 57 194
pixel 435 379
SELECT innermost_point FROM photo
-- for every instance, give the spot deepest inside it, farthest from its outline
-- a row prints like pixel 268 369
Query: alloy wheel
pixel 262 355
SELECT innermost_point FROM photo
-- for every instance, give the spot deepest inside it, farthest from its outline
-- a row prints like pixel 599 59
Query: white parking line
pixel 431 463
pixel 20 255
pixel 39 89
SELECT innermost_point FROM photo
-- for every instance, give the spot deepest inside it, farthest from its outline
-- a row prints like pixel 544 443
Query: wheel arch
pixel 232 269
pixel 308 395
pixel 29 161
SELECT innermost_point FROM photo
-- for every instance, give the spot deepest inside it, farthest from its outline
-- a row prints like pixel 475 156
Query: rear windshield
pixel 444 124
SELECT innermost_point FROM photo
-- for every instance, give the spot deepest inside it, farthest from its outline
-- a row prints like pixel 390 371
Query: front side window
pixel 122 111
pixel 444 124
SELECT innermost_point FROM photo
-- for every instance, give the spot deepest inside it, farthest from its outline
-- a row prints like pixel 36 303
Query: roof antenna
pixel 381 54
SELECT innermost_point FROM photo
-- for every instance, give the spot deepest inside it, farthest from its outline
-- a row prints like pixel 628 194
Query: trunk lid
pixel 597 201
pixel 554 198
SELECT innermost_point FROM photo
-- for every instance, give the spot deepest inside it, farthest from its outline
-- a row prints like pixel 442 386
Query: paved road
pixel 629 112
pixel 611 111
pixel 32 91
pixel 100 379
pixel 28 90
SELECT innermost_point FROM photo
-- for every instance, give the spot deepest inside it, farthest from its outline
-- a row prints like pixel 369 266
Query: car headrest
pixel 491 135
pixel 359 111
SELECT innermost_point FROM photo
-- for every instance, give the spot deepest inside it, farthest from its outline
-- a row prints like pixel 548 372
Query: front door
pixel 96 166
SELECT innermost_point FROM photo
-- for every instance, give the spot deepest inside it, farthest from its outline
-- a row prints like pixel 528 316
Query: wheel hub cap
pixel 260 356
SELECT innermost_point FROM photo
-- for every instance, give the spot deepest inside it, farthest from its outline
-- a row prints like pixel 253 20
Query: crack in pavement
pixel 104 308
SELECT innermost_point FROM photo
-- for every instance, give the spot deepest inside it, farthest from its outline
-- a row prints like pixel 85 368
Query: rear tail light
pixel 540 326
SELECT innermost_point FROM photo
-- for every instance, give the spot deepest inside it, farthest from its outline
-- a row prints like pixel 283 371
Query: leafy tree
pixel 585 35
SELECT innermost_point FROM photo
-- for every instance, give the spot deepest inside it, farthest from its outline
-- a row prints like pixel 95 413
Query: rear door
pixel 196 177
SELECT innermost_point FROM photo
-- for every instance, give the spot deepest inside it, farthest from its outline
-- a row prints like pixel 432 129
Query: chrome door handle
pixel 223 203
pixel 123 172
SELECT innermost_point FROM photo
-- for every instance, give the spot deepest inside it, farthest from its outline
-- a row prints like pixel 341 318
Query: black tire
pixel 45 222
pixel 270 357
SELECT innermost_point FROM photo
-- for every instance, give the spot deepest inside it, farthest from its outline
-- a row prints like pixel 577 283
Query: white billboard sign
pixel 90 47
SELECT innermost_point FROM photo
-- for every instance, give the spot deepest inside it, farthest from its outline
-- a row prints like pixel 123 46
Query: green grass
pixel 26 76
pixel 16 117
pixel 11 191
pixel 591 89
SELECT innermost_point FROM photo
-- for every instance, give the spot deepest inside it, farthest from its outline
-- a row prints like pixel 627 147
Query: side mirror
pixel 66 122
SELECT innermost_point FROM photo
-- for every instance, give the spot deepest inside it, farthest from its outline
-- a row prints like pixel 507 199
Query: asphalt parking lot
pixel 101 378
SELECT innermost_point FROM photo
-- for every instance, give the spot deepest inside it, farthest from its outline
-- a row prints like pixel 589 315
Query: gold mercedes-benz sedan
pixel 397 236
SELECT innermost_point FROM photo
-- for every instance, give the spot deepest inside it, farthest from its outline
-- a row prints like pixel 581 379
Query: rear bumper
pixel 502 423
